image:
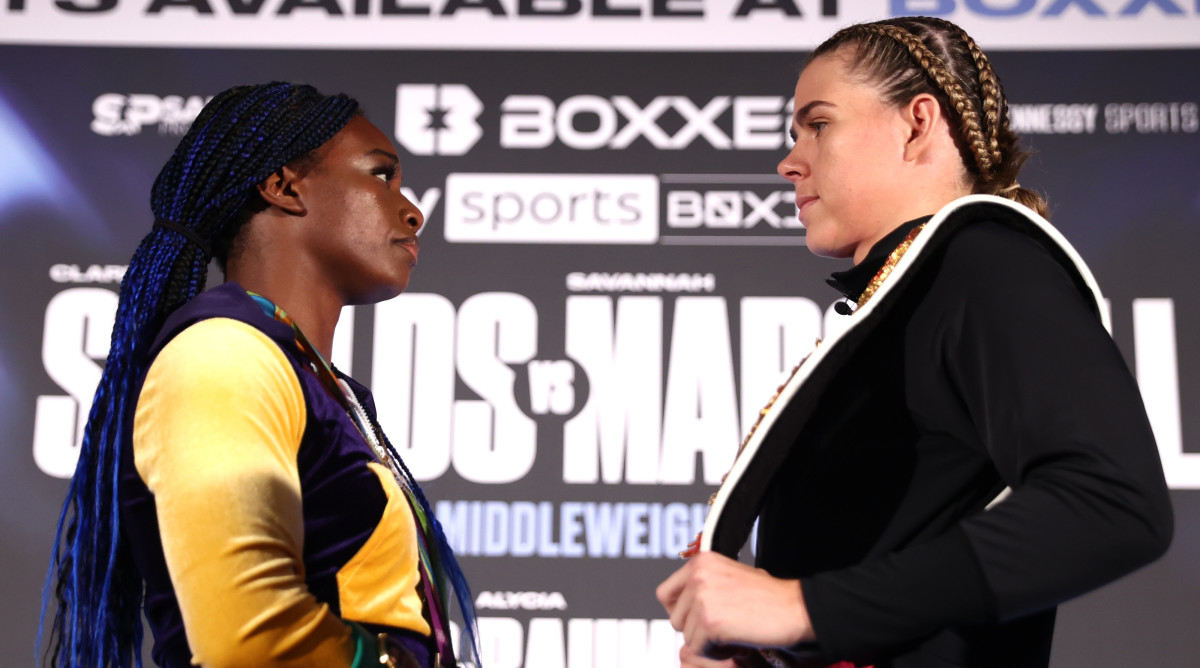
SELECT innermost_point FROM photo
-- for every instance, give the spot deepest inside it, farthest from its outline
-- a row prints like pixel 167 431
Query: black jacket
pixel 989 368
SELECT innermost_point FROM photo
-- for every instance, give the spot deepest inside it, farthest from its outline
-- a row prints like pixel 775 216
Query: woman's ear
pixel 926 123
pixel 279 190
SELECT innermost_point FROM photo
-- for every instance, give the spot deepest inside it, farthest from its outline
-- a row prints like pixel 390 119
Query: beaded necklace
pixel 433 590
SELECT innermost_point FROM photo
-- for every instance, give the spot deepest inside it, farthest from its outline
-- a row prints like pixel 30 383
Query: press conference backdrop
pixel 612 277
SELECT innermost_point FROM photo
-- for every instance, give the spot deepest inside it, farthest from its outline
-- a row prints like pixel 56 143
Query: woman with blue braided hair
pixel 231 483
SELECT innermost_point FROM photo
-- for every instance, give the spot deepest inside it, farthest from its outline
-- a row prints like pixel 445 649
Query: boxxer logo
pixel 437 119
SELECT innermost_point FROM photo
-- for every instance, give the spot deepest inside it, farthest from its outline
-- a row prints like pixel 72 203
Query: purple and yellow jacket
pixel 256 514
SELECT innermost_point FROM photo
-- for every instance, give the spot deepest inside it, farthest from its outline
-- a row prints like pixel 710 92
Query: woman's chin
pixel 826 248
pixel 380 293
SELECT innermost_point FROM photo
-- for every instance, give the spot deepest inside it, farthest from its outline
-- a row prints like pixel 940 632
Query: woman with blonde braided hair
pixel 232 485
pixel 967 450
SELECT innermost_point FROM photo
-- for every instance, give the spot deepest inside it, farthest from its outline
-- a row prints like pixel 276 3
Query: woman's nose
pixel 411 215
pixel 790 167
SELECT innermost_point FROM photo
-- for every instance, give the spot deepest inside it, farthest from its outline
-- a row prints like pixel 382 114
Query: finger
pixel 685 606
pixel 695 633
pixel 668 591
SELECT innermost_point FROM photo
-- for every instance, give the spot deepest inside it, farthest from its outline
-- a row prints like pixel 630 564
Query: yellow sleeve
pixel 379 584
pixel 216 433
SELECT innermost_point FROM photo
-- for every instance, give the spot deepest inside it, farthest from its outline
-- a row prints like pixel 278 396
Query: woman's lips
pixel 803 202
pixel 413 247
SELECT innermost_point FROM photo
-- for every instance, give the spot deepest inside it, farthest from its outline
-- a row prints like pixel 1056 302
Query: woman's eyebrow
pixel 388 154
pixel 803 112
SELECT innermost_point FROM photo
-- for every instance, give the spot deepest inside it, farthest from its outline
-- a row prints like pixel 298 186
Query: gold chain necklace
pixel 886 269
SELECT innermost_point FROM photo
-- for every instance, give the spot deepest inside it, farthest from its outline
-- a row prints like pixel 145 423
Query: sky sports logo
pixel 668 209
pixel 552 208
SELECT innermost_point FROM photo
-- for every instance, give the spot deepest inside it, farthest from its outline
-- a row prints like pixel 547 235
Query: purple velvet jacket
pixel 342 499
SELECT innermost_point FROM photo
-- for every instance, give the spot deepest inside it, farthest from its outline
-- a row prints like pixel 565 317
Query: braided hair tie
pixel 190 234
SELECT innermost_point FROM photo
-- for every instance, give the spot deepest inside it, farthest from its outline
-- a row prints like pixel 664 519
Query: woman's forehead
pixel 358 137
pixel 827 79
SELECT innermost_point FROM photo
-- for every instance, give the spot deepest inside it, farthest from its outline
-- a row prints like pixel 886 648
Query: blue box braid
pixel 240 138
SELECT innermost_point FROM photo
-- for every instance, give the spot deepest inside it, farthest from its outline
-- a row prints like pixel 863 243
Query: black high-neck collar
pixel 853 281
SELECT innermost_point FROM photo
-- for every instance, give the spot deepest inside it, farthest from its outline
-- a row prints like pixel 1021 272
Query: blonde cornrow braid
pixel 908 56
pixel 973 133
pixel 994 112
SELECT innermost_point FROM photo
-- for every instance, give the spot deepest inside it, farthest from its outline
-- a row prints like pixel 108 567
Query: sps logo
pixel 117 114
pixel 433 119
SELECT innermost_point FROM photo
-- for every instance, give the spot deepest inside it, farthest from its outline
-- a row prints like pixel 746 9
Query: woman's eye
pixel 817 126
pixel 385 174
